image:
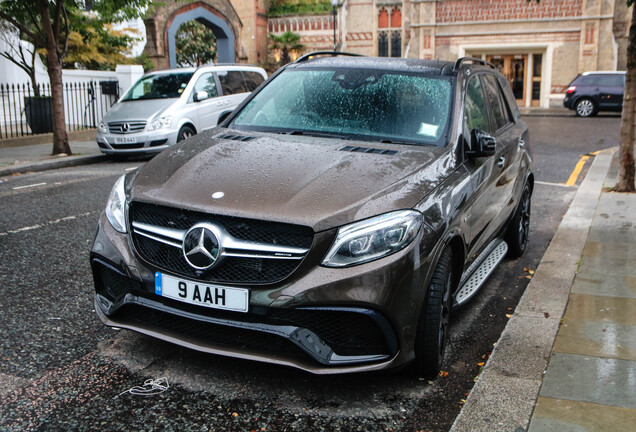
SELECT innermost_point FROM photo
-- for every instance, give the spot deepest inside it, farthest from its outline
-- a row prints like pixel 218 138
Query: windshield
pixel 162 86
pixel 352 103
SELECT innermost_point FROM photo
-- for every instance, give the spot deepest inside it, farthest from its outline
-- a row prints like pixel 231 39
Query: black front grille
pixel 112 283
pixel 127 146
pixel 213 334
pixel 230 270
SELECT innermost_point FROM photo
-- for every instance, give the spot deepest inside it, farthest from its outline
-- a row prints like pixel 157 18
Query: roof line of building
pixel 515 21
pixel 569 30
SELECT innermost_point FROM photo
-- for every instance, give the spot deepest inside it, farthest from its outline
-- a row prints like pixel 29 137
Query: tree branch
pixel 36 38
pixel 68 34
pixel 56 18
pixel 16 62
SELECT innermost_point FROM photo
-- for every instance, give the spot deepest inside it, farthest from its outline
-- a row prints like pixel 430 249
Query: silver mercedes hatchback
pixel 165 107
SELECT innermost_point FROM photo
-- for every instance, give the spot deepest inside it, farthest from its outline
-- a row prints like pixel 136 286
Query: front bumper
pixel 321 320
pixel 142 142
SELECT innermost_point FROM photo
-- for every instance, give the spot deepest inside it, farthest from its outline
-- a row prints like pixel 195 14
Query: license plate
pixel 125 140
pixel 202 294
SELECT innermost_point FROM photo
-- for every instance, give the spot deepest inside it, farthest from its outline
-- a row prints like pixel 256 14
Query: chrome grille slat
pixel 250 251
pixel 133 126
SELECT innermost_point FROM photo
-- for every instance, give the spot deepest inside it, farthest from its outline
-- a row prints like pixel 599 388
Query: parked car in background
pixel 165 107
pixel 592 92
pixel 330 223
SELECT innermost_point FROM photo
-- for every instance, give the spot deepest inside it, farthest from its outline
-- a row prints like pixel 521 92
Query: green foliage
pixel 286 42
pixel 195 44
pixel 299 7
pixel 145 61
pixel 101 50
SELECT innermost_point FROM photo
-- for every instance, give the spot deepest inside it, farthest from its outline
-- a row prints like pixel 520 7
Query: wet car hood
pixel 294 179
pixel 137 110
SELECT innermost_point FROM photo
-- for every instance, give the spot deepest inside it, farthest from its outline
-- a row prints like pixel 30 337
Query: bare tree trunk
pixel 625 181
pixel 60 137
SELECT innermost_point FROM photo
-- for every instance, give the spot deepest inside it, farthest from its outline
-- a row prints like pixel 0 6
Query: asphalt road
pixel 61 370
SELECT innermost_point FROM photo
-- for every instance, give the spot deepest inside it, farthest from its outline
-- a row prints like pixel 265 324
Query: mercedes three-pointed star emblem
pixel 201 247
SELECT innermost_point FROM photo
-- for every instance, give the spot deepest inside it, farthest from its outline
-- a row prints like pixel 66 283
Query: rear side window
pixel 475 111
pixel 252 80
pixel 232 82
pixel 497 108
pixel 509 97
pixel 611 80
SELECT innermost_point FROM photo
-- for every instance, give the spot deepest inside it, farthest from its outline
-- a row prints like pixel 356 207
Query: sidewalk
pixel 28 158
pixel 570 369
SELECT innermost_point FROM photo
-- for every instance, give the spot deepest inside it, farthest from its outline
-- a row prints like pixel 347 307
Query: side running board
pixel 474 277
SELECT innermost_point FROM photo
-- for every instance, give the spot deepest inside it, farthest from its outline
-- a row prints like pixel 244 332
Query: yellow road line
pixel 577 170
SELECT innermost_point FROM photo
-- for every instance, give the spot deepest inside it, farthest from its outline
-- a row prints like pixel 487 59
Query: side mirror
pixel 481 144
pixel 201 96
pixel 224 115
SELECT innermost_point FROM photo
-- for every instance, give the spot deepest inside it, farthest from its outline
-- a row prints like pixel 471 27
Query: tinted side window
pixel 475 111
pixel 611 80
pixel 497 109
pixel 232 82
pixel 252 80
pixel 509 97
pixel 589 80
pixel 206 83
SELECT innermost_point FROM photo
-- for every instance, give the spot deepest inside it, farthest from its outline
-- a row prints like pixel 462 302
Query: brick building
pixel 539 47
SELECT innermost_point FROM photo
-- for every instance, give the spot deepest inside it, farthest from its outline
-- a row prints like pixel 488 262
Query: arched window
pixel 396 44
pixel 396 18
pixel 383 44
pixel 383 18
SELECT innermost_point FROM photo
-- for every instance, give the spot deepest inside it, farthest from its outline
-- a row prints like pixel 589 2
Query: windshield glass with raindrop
pixel 352 103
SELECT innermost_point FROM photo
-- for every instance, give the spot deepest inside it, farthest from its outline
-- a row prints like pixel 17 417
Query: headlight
pixel 102 127
pixel 160 123
pixel 373 238
pixel 116 206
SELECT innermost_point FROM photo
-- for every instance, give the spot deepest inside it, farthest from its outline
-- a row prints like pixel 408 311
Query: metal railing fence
pixel 85 103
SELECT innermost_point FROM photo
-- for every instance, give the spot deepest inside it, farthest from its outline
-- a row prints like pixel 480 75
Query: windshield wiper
pixel 399 141
pixel 313 134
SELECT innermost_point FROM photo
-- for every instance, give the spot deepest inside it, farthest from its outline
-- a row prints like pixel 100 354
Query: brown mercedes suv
pixel 330 223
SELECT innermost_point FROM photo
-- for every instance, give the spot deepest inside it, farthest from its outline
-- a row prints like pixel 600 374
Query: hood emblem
pixel 125 127
pixel 201 247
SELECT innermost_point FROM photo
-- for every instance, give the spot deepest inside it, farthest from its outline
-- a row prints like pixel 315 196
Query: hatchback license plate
pixel 201 294
pixel 125 140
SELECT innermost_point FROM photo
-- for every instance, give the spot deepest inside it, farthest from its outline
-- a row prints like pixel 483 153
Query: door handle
pixel 522 143
pixel 501 162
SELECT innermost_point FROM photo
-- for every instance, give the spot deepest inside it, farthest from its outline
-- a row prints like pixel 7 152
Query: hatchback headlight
pixel 160 123
pixel 116 206
pixel 102 127
pixel 373 238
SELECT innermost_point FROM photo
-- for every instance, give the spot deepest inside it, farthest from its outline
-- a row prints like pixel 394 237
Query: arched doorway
pixel 218 15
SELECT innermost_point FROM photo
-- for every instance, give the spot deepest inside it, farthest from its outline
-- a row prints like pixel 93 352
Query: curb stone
pixel 51 164
pixel 506 392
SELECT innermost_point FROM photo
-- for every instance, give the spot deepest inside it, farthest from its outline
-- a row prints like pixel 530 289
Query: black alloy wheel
pixel 185 132
pixel 432 332
pixel 518 232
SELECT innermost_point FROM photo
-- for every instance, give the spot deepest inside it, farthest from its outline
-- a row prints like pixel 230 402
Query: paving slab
pixel 552 415
pixel 599 326
pixel 591 379
pixel 614 285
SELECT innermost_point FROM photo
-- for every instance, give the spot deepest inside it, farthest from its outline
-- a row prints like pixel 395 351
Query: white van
pixel 165 107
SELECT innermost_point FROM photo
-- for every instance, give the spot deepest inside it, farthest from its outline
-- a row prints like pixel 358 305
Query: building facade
pixel 540 48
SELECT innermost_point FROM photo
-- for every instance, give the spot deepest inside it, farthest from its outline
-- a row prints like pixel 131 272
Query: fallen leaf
pixel 531 272
pixel 545 314
pixel 480 364
pixel 508 315
pixel 528 277
pixel 510 309
pixel 235 414
pixel 443 374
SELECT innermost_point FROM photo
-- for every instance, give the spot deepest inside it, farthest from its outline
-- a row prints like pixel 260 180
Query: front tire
pixel 185 132
pixel 518 231
pixel 432 332
pixel 585 107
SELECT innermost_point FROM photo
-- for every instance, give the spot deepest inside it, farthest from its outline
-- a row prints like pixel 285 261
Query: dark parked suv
pixel 592 92
pixel 330 223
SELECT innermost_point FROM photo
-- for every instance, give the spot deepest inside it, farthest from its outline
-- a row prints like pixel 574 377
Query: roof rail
pixel 331 53
pixel 461 60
